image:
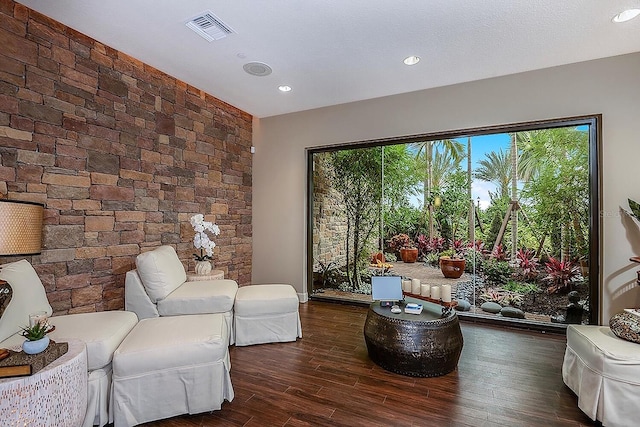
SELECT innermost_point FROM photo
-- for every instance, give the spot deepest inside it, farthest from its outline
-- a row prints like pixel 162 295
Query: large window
pixel 517 203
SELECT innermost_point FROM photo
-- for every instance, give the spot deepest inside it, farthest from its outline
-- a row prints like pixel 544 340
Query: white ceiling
pixel 337 51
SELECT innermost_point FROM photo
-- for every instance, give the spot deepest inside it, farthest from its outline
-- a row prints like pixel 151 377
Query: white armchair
pixel 102 333
pixel 158 287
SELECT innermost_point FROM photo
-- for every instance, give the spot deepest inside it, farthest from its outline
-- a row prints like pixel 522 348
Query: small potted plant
pixel 202 241
pixel 402 243
pixel 452 260
pixel 37 338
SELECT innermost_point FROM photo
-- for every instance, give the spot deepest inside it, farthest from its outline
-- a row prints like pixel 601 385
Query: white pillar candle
pixel 425 290
pixel 446 293
pixel 435 292
pixel 406 285
pixel 415 286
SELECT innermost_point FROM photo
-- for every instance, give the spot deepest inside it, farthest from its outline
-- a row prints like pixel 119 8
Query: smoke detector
pixel 259 69
pixel 209 26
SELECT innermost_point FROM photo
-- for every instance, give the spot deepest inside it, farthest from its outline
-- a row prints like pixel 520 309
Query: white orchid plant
pixel 201 239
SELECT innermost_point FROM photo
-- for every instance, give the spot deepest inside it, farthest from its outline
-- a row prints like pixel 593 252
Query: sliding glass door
pixel 516 205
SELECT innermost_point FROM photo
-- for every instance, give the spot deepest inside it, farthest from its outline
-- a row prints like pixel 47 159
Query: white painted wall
pixel 607 86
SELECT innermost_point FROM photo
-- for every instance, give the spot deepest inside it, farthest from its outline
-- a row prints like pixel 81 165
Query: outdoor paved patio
pixel 426 274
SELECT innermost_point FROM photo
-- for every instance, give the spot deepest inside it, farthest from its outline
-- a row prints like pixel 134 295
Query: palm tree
pixel 452 150
pixel 496 168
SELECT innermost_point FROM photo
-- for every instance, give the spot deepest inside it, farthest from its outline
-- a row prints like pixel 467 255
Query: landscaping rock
pixel 513 312
pixel 463 305
pixel 491 307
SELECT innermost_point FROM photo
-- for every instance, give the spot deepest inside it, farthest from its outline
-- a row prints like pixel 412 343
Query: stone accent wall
pixel 121 155
pixel 329 221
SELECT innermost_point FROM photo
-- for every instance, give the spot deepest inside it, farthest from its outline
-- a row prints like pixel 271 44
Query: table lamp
pixel 21 230
pixel 20 234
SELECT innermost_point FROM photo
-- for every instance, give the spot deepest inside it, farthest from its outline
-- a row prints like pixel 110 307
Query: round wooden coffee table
pixel 424 345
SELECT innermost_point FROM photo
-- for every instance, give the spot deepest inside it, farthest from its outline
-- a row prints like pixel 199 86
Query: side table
pixel 214 275
pixel 54 396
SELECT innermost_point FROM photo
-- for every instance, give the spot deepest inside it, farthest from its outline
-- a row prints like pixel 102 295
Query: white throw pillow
pixel 161 272
pixel 29 297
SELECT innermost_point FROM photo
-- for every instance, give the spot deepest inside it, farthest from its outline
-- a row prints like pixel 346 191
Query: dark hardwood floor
pixel 505 377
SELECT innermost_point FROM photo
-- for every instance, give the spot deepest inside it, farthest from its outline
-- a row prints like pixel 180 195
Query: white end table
pixel 214 275
pixel 54 396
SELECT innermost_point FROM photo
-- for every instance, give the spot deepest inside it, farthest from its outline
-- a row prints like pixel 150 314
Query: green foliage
pixel 635 209
pixel 497 272
pixel 401 241
pixel 432 259
pixel 473 258
pixel 504 298
pixel 448 253
pixel 556 197
pixel 455 205
pixel 35 332
pixel 356 174
pixel 520 287
pixel 492 234
pixel 390 257
pixel 402 219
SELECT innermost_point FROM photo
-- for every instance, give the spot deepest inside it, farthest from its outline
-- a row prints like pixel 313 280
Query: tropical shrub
pixel 526 265
pixel 497 272
pixel 430 245
pixel 475 259
pixel 504 298
pixel 520 287
pixel 400 241
pixel 499 253
pixel 433 259
pixel 562 275
pixel 512 299
pixel 491 295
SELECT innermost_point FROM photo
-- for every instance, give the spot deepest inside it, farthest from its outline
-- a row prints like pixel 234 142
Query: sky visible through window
pixel 481 145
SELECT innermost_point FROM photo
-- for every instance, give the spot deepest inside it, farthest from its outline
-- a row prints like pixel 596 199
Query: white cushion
pixel 169 342
pixel 604 372
pixel 29 296
pixel 169 366
pixel 257 300
pixel 161 272
pixel 206 296
pixel 102 332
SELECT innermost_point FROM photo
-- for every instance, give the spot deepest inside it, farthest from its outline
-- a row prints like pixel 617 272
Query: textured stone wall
pixel 329 221
pixel 121 155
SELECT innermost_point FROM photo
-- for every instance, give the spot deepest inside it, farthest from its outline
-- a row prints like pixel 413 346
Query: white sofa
pixel 102 333
pixel 604 372
pixel 159 287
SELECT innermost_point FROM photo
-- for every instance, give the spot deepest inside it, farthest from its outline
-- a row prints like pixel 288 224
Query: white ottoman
pixel 266 314
pixel 604 372
pixel 169 366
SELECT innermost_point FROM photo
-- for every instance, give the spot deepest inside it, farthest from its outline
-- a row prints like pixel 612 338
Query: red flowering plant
pixel 562 275
pixel 431 245
pixel 401 241
pixel 527 264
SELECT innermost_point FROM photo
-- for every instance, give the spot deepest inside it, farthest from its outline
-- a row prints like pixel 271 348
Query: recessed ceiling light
pixel 411 60
pixel 626 15
pixel 284 88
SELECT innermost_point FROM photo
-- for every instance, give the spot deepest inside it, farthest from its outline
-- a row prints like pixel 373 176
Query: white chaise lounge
pixel 102 332
pixel 159 287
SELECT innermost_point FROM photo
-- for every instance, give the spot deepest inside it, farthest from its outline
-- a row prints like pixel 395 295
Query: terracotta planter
pixel 409 255
pixel 452 268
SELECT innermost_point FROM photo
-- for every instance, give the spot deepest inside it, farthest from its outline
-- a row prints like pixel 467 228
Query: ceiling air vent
pixel 209 26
